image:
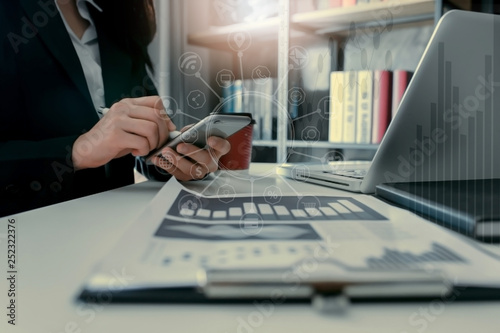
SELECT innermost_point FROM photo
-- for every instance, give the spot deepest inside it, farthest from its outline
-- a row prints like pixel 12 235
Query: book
pixel 347 3
pixel 364 107
pixel 349 123
pixel 237 95
pixel 400 80
pixel 322 4
pixel 336 112
pixel 335 3
pixel 273 99
pixel 382 89
pixel 470 207
pixel 301 6
pixel 227 91
pixel 264 104
pixel 249 106
pixel 325 4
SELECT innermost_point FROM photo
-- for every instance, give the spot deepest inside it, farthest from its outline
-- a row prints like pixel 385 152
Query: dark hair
pixel 131 24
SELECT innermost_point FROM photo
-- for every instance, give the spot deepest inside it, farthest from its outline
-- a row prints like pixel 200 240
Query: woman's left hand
pixel 190 162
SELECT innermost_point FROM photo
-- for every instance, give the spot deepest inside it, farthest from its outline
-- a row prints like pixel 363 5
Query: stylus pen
pixel 102 111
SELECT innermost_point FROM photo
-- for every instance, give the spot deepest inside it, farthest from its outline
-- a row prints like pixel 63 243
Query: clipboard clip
pixel 327 292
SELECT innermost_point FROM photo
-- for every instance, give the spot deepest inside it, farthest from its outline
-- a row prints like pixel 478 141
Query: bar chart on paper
pixel 289 208
pixel 396 258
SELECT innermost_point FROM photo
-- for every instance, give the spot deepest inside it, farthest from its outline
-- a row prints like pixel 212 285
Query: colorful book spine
pixel 349 128
pixel 364 107
pixel 348 3
pixel 382 88
pixel 325 4
pixel 237 96
pixel 227 91
pixel 336 112
pixel 400 80
pixel 335 3
pixel 249 106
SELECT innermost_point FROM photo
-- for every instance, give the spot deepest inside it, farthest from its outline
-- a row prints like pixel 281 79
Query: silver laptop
pixel 447 125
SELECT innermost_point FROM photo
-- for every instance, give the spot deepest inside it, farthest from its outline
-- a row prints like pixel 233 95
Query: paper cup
pixel 240 154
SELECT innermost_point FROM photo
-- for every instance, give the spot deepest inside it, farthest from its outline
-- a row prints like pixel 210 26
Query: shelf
pixel 217 37
pixel 333 20
pixel 337 19
pixel 315 144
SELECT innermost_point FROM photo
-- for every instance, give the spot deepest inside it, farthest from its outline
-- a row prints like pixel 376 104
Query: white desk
pixel 57 247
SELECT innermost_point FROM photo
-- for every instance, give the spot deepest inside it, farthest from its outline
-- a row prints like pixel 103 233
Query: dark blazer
pixel 45 105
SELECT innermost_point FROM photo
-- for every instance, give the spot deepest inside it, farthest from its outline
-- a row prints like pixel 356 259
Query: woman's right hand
pixel 132 125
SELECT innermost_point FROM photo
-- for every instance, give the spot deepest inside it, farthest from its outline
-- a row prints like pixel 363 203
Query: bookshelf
pixel 326 21
pixel 329 23
pixel 338 20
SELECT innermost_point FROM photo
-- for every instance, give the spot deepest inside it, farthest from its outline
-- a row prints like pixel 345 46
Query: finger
pixel 170 124
pixel 149 101
pixel 156 103
pixel 150 114
pixel 167 165
pixel 164 163
pixel 121 119
pixel 196 170
pixel 162 114
pixel 138 145
pixel 181 176
pixel 201 156
pixel 199 171
pixel 144 128
pixel 219 145
pixel 185 128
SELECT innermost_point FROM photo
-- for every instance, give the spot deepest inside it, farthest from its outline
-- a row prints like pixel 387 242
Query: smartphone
pixel 221 125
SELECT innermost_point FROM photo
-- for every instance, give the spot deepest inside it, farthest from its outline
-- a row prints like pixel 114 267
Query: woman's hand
pixel 132 125
pixel 190 162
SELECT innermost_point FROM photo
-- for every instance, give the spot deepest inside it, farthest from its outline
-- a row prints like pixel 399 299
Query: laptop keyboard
pixel 353 173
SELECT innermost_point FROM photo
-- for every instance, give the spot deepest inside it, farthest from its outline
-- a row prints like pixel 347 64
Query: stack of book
pixel 362 103
pixel 255 96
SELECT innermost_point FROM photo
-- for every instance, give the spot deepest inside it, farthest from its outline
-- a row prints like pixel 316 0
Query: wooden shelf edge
pixel 315 144
pixel 219 35
pixel 364 13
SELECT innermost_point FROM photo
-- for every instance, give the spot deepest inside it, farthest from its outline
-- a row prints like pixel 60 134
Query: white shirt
pixel 87 50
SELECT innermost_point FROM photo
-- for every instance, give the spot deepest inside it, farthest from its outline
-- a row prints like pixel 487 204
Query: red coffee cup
pixel 240 154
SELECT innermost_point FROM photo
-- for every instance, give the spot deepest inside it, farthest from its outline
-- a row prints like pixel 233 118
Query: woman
pixel 61 63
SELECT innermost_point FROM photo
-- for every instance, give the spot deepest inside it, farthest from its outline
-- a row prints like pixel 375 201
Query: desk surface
pixel 57 247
